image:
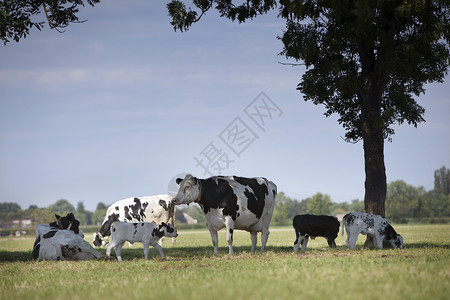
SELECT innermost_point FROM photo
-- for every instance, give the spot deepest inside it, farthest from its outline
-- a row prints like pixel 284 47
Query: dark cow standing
pixel 153 209
pixel 232 202
pixel 306 226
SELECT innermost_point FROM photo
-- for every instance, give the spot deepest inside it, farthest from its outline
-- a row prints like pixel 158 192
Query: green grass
pixel 419 271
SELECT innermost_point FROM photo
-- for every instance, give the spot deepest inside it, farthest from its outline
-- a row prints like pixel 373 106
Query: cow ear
pixel 178 180
pixel 57 217
pixel 163 224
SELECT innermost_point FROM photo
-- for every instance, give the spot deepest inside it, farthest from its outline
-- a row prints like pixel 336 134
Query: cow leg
pixel 146 246
pixel 229 223
pixel 160 250
pixel 351 240
pixel 118 250
pixel 331 242
pixel 305 242
pixel 254 239
pixel 297 242
pixel 264 237
pixel 215 240
pixel 378 241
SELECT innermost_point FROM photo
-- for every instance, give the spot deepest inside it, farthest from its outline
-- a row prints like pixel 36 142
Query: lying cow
pixel 373 225
pixel 153 209
pixel 68 222
pixel 146 233
pixel 232 202
pixel 306 226
pixel 62 240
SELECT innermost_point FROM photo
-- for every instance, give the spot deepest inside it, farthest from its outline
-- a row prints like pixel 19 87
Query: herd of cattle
pixel 232 202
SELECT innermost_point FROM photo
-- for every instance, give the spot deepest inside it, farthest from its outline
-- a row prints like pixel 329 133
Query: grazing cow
pixel 147 233
pixel 61 244
pixel 373 225
pixel 153 209
pixel 232 202
pixel 306 226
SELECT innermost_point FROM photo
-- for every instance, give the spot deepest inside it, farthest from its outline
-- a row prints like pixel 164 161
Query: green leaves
pixel 18 17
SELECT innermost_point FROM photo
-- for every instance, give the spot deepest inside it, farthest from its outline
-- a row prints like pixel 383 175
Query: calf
pixel 306 226
pixel 373 225
pixel 147 233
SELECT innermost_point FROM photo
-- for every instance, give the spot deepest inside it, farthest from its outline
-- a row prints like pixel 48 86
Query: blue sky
pixel 119 105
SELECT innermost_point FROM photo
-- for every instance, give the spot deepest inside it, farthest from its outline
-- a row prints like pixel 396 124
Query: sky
pixel 121 105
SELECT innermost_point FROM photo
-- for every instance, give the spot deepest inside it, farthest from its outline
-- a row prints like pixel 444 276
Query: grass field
pixel 419 271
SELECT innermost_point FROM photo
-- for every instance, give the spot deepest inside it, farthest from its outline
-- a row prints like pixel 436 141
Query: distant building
pixel 22 222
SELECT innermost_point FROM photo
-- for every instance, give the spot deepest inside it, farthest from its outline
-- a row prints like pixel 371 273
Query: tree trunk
pixel 373 138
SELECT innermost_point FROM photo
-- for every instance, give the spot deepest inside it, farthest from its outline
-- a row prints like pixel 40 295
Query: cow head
pixel 68 222
pixel 165 230
pixel 188 191
pixel 397 242
pixel 99 240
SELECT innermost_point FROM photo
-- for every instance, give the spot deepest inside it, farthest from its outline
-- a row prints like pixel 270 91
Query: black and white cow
pixel 147 233
pixel 61 244
pixel 232 202
pixel 306 226
pixel 152 209
pixel 62 240
pixel 373 225
pixel 69 222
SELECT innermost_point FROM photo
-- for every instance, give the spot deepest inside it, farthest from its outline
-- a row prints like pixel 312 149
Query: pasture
pixel 419 271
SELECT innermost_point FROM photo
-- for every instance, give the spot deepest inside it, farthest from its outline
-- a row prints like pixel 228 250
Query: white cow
pixel 153 209
pixel 147 233
pixel 373 225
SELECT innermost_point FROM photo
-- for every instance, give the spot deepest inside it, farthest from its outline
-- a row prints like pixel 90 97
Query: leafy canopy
pixel 348 46
pixel 18 17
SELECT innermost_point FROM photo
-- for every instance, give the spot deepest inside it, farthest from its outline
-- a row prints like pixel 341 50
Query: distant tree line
pixel 404 203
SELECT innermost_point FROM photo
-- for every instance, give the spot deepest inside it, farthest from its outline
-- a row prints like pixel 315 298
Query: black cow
pixel 232 202
pixel 306 226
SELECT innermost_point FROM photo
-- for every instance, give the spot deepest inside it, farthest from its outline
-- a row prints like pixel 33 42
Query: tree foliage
pixel 18 17
pixel 62 207
pixel 366 60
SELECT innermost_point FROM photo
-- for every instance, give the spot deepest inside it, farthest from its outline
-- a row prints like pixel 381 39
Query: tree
pixel 84 216
pixel 319 205
pixel 61 207
pixel 442 181
pixel 403 201
pixel 18 17
pixel 365 61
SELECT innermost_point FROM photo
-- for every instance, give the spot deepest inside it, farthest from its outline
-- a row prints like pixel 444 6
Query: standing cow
pixel 152 209
pixel 373 225
pixel 306 226
pixel 232 202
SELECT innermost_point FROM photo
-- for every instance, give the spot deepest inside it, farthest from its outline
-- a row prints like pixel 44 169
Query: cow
pixel 153 209
pixel 61 244
pixel 306 226
pixel 68 222
pixel 232 202
pixel 373 225
pixel 147 233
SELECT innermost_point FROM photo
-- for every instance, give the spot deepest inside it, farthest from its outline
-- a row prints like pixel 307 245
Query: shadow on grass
pixel 174 253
